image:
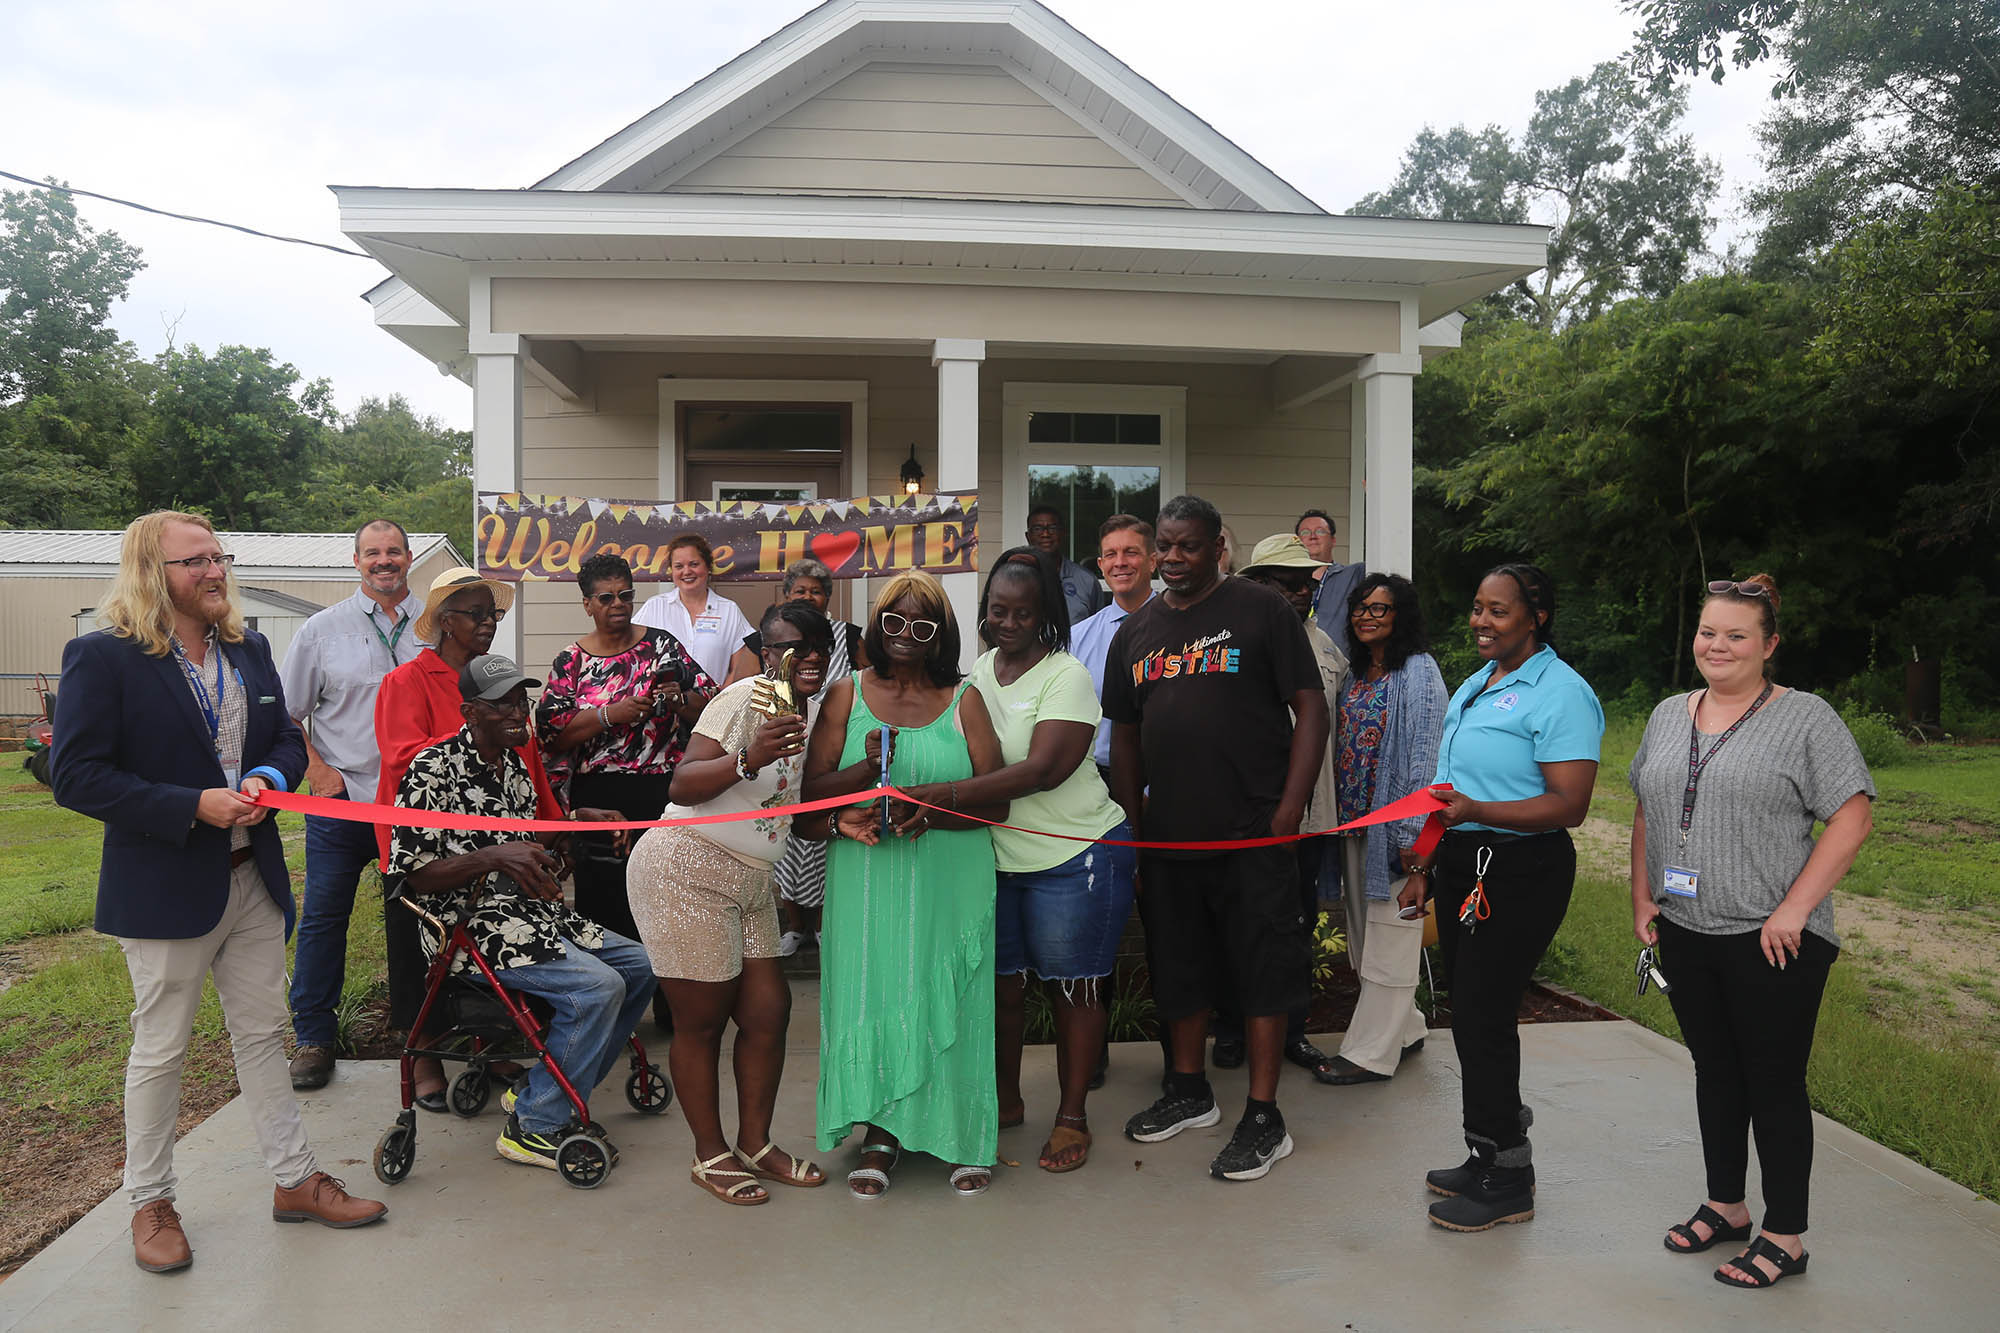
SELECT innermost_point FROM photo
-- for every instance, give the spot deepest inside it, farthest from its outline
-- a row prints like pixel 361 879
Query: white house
pixel 962 228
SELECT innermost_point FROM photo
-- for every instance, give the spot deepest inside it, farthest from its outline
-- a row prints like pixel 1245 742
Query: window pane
pixel 1085 496
pixel 1049 428
pixel 1096 428
pixel 763 430
pixel 1138 428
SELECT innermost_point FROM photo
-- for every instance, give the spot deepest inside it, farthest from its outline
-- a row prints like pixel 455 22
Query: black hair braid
pixel 1538 594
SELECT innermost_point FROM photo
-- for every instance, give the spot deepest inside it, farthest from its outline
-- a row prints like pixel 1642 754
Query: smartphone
pixel 1414 912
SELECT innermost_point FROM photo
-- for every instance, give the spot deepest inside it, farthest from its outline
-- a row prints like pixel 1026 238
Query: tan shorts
pixel 700 911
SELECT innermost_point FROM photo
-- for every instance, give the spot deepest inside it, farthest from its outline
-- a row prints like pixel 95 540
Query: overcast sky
pixel 247 112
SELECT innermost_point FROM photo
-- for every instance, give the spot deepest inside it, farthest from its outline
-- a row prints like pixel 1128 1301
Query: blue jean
pixel 1064 923
pixel 598 996
pixel 337 851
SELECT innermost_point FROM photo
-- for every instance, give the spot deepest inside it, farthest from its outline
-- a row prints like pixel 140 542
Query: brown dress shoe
pixel 322 1199
pixel 158 1243
pixel 311 1068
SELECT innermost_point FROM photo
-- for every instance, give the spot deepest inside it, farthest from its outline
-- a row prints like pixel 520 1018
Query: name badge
pixel 1506 702
pixel 708 623
pixel 1680 883
pixel 232 779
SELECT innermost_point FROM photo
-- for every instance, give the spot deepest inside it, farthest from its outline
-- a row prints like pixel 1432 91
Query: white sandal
pixel 872 1174
pixel 728 1193
pixel 800 1173
pixel 959 1173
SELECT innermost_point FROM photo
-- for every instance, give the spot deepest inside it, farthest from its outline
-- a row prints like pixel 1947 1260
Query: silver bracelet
pixel 603 718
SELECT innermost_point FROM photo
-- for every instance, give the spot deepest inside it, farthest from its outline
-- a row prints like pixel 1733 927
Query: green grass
pixel 1883 1062
pixel 64 1030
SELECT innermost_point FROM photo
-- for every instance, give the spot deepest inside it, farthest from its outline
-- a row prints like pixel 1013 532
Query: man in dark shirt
pixel 1201 686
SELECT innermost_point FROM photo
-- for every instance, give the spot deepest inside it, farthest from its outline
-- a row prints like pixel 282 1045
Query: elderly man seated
pixel 504 887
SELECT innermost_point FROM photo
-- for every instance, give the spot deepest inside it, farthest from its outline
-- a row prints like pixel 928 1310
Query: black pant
pixel 404 953
pixel 600 868
pixel 1229 1014
pixel 1487 968
pixel 1749 1026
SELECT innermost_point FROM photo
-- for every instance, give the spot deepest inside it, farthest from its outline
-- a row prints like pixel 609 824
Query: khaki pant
pixel 246 954
pixel 1384 951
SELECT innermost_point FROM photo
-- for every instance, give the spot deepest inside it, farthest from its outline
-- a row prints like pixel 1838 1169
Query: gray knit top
pixel 1791 765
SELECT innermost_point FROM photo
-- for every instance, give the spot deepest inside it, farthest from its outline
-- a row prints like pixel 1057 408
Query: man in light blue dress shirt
pixel 1125 558
pixel 331 674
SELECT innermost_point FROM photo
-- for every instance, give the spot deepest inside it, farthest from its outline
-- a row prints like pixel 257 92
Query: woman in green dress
pixel 906 966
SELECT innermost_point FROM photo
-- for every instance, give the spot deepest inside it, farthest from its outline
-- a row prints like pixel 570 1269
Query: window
pixel 1089 451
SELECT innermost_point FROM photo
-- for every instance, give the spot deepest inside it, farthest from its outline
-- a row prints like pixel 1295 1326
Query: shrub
pixel 1881 741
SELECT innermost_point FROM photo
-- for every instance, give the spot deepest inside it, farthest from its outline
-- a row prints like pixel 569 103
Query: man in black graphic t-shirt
pixel 1201 686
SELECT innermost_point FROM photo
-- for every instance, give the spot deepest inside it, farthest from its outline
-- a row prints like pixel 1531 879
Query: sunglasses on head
pixel 1741 589
pixel 607 598
pixel 896 627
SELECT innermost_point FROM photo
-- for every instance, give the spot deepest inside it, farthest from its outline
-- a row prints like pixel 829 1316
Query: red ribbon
pixel 1426 802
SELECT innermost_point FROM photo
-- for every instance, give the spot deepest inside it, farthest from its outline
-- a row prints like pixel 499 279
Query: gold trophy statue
pixel 775 695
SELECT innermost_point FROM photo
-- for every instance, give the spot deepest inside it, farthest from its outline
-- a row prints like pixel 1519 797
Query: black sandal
pixel 1765 1248
pixel 1719 1230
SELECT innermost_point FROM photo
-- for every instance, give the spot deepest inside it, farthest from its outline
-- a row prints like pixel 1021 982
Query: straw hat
pixel 1281 551
pixel 452 581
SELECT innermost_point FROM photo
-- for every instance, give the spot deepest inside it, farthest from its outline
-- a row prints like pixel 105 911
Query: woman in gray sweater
pixel 1729 882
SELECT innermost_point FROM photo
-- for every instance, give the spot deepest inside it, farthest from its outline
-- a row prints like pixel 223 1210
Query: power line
pixel 184 217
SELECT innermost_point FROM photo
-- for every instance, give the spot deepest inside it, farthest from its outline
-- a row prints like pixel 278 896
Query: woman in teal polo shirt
pixel 1520 750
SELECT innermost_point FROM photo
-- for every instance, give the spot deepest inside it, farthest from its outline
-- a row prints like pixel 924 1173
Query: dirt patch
pixel 1603 847
pixel 1927 949
pixel 59 1169
pixel 23 958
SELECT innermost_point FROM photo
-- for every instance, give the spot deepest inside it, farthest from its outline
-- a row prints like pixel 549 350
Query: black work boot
pixel 1452 1181
pixel 1502 1189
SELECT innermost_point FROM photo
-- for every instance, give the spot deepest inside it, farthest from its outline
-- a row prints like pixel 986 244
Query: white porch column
pixel 957 361
pixel 496 452
pixel 1382 386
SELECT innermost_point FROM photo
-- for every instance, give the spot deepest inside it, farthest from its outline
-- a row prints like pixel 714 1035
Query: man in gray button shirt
pixel 331 674
pixel 1046 532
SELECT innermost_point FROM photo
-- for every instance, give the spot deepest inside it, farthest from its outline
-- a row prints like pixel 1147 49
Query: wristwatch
pixel 743 769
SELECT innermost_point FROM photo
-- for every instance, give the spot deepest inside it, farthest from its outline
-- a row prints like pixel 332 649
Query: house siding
pixel 931 132
pixel 1260 467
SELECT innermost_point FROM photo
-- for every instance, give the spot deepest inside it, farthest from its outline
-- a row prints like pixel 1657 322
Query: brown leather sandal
pixel 1070 1131
pixel 703 1174
pixel 804 1174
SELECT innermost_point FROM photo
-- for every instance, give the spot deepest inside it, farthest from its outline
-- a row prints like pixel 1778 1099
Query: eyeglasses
pixel 201 564
pixel 1372 611
pixel 896 627
pixel 607 598
pixel 507 704
pixel 478 616
pixel 1045 527
pixel 1303 533
pixel 1741 589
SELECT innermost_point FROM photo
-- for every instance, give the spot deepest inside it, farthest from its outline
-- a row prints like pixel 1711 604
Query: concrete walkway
pixel 1141 1238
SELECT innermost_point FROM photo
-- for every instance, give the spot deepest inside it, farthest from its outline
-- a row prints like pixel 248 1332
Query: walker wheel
pixel 469 1092
pixel 394 1152
pixel 583 1161
pixel 648 1091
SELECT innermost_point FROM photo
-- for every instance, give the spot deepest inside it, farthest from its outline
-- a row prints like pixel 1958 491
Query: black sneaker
pixel 1259 1140
pixel 1170 1115
pixel 534 1149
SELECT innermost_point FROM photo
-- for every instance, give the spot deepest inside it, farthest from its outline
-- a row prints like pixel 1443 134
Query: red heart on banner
pixel 836 548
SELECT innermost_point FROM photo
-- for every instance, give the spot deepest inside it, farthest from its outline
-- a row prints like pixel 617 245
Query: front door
pixel 778 453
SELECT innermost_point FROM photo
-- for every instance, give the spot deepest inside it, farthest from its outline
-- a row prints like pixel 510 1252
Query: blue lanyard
pixel 211 712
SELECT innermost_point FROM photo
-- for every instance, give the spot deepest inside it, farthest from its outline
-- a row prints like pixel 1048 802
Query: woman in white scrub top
pixel 711 628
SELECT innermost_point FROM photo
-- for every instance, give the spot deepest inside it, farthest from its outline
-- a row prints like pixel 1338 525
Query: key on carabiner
pixel 1476 908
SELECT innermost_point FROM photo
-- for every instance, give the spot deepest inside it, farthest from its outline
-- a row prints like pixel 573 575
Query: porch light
pixel 913 472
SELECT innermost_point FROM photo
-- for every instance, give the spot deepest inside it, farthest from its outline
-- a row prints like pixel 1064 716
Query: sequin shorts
pixel 700 911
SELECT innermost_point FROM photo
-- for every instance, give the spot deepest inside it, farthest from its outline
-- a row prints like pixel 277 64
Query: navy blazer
pixel 132 749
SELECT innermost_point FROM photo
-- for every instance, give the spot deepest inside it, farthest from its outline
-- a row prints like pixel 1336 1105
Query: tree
pixel 59 278
pixel 1880 104
pixel 234 435
pixel 385 461
pixel 1603 159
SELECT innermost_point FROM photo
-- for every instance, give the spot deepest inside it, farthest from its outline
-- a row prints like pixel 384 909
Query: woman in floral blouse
pixel 611 722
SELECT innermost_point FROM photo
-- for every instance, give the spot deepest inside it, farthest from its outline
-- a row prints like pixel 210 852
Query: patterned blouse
pixel 579 680
pixel 1359 744
pixel 508 924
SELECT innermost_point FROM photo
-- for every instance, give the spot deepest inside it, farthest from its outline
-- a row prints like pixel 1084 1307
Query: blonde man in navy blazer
pixel 167 725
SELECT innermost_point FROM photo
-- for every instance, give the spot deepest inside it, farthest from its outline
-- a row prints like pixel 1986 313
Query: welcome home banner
pixel 529 538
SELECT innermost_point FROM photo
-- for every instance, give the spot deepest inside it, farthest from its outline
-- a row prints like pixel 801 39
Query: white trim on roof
pixel 1023 36
pixel 91 553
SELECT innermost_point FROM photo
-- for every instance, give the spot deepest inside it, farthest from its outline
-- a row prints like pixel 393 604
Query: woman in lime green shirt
pixel 1062 904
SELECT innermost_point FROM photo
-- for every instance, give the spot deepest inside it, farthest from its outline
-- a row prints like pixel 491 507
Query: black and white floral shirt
pixel 511 926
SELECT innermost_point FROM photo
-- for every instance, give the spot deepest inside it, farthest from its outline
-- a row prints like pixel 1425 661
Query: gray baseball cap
pixel 491 676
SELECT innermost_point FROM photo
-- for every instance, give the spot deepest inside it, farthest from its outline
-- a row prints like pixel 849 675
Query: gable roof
pixel 1021 37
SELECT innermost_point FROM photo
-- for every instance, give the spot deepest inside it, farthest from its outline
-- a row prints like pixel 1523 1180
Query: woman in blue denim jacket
pixel 1385 748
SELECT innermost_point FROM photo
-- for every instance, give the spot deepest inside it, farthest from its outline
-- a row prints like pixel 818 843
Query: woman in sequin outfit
pixel 704 901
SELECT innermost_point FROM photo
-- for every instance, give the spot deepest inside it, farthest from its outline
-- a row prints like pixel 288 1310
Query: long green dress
pixel 906 969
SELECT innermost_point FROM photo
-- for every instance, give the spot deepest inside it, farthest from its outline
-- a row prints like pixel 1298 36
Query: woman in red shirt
pixel 418 706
